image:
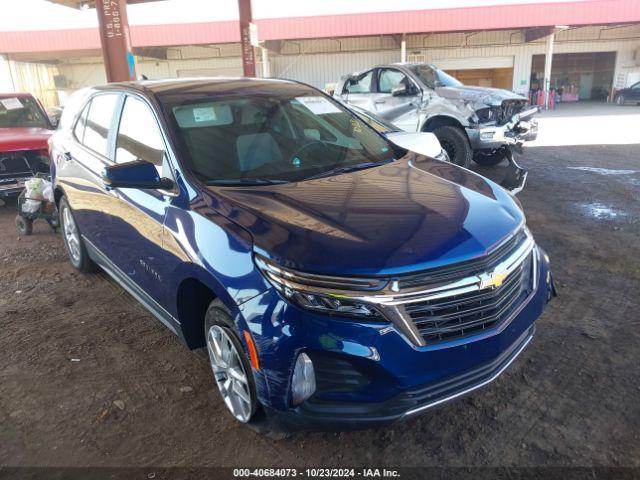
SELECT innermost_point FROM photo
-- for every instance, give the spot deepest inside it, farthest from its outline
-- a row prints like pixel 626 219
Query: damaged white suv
pixel 476 123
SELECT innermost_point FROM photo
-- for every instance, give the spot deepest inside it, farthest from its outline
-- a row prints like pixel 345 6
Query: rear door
pixel 401 110
pixel 84 154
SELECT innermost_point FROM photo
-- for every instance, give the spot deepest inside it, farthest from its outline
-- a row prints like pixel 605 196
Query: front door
pixel 136 225
pixel 401 110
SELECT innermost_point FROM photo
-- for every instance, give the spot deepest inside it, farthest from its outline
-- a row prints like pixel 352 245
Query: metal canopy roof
pixel 90 3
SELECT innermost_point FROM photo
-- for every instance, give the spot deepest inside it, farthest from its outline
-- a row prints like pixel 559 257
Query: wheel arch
pixel 441 121
pixel 193 298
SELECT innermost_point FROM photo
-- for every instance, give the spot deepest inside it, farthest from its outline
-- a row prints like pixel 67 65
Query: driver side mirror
pixel 138 174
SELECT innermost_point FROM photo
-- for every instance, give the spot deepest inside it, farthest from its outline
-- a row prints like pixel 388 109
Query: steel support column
pixel 248 53
pixel 548 61
pixel 119 61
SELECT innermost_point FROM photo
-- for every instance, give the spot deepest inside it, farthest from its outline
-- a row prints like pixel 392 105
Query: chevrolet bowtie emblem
pixel 492 280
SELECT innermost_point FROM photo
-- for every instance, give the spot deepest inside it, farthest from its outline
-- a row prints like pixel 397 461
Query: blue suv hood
pixel 412 214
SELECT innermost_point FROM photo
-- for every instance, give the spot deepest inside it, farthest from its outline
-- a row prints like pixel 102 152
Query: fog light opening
pixel 303 384
pixel 486 135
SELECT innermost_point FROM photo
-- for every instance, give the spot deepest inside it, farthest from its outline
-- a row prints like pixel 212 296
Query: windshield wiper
pixel 348 168
pixel 246 181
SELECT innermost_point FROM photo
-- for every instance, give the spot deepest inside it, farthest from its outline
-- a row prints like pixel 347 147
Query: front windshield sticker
pixel 204 114
pixel 11 103
pixel 318 105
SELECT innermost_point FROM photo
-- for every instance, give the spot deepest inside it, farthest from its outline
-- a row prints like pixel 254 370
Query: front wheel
pixel 620 100
pixel 231 369
pixel 454 141
pixel 489 158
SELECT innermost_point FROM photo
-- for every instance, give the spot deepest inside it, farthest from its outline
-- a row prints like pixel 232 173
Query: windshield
pixel 261 138
pixel 21 112
pixel 447 80
pixel 429 75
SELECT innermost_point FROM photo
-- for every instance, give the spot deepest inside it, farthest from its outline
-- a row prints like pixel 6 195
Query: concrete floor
pixel 589 123
pixel 87 377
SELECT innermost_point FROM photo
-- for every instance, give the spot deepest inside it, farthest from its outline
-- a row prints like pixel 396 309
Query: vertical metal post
pixel 403 49
pixel 548 62
pixel 119 61
pixel 266 68
pixel 248 54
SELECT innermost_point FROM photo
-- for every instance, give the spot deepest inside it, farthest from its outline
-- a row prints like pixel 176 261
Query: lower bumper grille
pixel 469 313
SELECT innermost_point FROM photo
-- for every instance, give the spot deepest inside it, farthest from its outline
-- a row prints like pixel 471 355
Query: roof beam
pixel 533 34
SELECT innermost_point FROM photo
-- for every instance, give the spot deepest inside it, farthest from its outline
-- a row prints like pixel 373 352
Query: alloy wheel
pixel 229 373
pixel 71 235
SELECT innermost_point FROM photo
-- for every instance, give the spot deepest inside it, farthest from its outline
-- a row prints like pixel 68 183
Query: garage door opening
pixel 577 76
pixel 485 77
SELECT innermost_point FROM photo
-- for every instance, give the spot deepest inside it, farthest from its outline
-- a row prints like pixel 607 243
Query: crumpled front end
pixel 494 127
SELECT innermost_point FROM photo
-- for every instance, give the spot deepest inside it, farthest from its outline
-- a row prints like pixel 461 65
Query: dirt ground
pixel 87 377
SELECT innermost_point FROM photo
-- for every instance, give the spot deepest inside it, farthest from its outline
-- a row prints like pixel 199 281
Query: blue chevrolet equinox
pixel 336 280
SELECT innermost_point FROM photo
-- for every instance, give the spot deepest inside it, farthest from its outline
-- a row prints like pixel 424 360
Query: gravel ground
pixel 87 377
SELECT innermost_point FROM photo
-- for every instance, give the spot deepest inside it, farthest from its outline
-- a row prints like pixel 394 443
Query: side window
pixel 139 136
pixel 78 130
pixel 391 78
pixel 363 84
pixel 96 132
pixel 636 86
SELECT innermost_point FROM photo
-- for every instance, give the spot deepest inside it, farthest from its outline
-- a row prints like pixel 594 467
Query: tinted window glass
pixel 139 136
pixel 363 84
pixel 98 122
pixel 78 131
pixel 285 137
pixel 391 78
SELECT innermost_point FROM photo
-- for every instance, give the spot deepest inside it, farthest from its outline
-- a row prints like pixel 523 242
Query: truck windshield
pixel 429 75
pixel 21 112
pixel 259 139
pixel 447 80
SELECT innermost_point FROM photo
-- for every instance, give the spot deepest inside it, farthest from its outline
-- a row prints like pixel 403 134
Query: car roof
pixel 206 85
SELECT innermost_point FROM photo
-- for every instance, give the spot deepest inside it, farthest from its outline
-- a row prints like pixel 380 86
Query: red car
pixel 24 132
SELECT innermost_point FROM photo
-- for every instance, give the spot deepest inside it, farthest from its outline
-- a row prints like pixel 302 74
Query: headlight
pixel 323 294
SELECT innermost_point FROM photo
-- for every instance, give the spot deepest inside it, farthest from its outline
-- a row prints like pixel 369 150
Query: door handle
pixel 379 101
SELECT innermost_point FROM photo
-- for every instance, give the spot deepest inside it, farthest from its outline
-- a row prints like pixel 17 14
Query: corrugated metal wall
pixel 323 61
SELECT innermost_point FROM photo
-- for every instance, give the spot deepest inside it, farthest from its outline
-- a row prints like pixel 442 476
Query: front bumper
pixel 369 374
pixel 522 128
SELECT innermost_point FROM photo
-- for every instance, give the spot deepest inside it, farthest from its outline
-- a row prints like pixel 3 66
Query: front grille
pixel 466 314
pixel 508 109
pixel 464 269
pixel 17 165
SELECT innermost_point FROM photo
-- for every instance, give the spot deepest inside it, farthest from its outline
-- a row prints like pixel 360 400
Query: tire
pixel 455 142
pixel 620 100
pixel 24 225
pixel 75 248
pixel 235 380
pixel 489 158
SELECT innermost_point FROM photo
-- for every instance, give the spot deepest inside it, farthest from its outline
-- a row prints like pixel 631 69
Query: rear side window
pixel 78 131
pixel 139 136
pixel 96 132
